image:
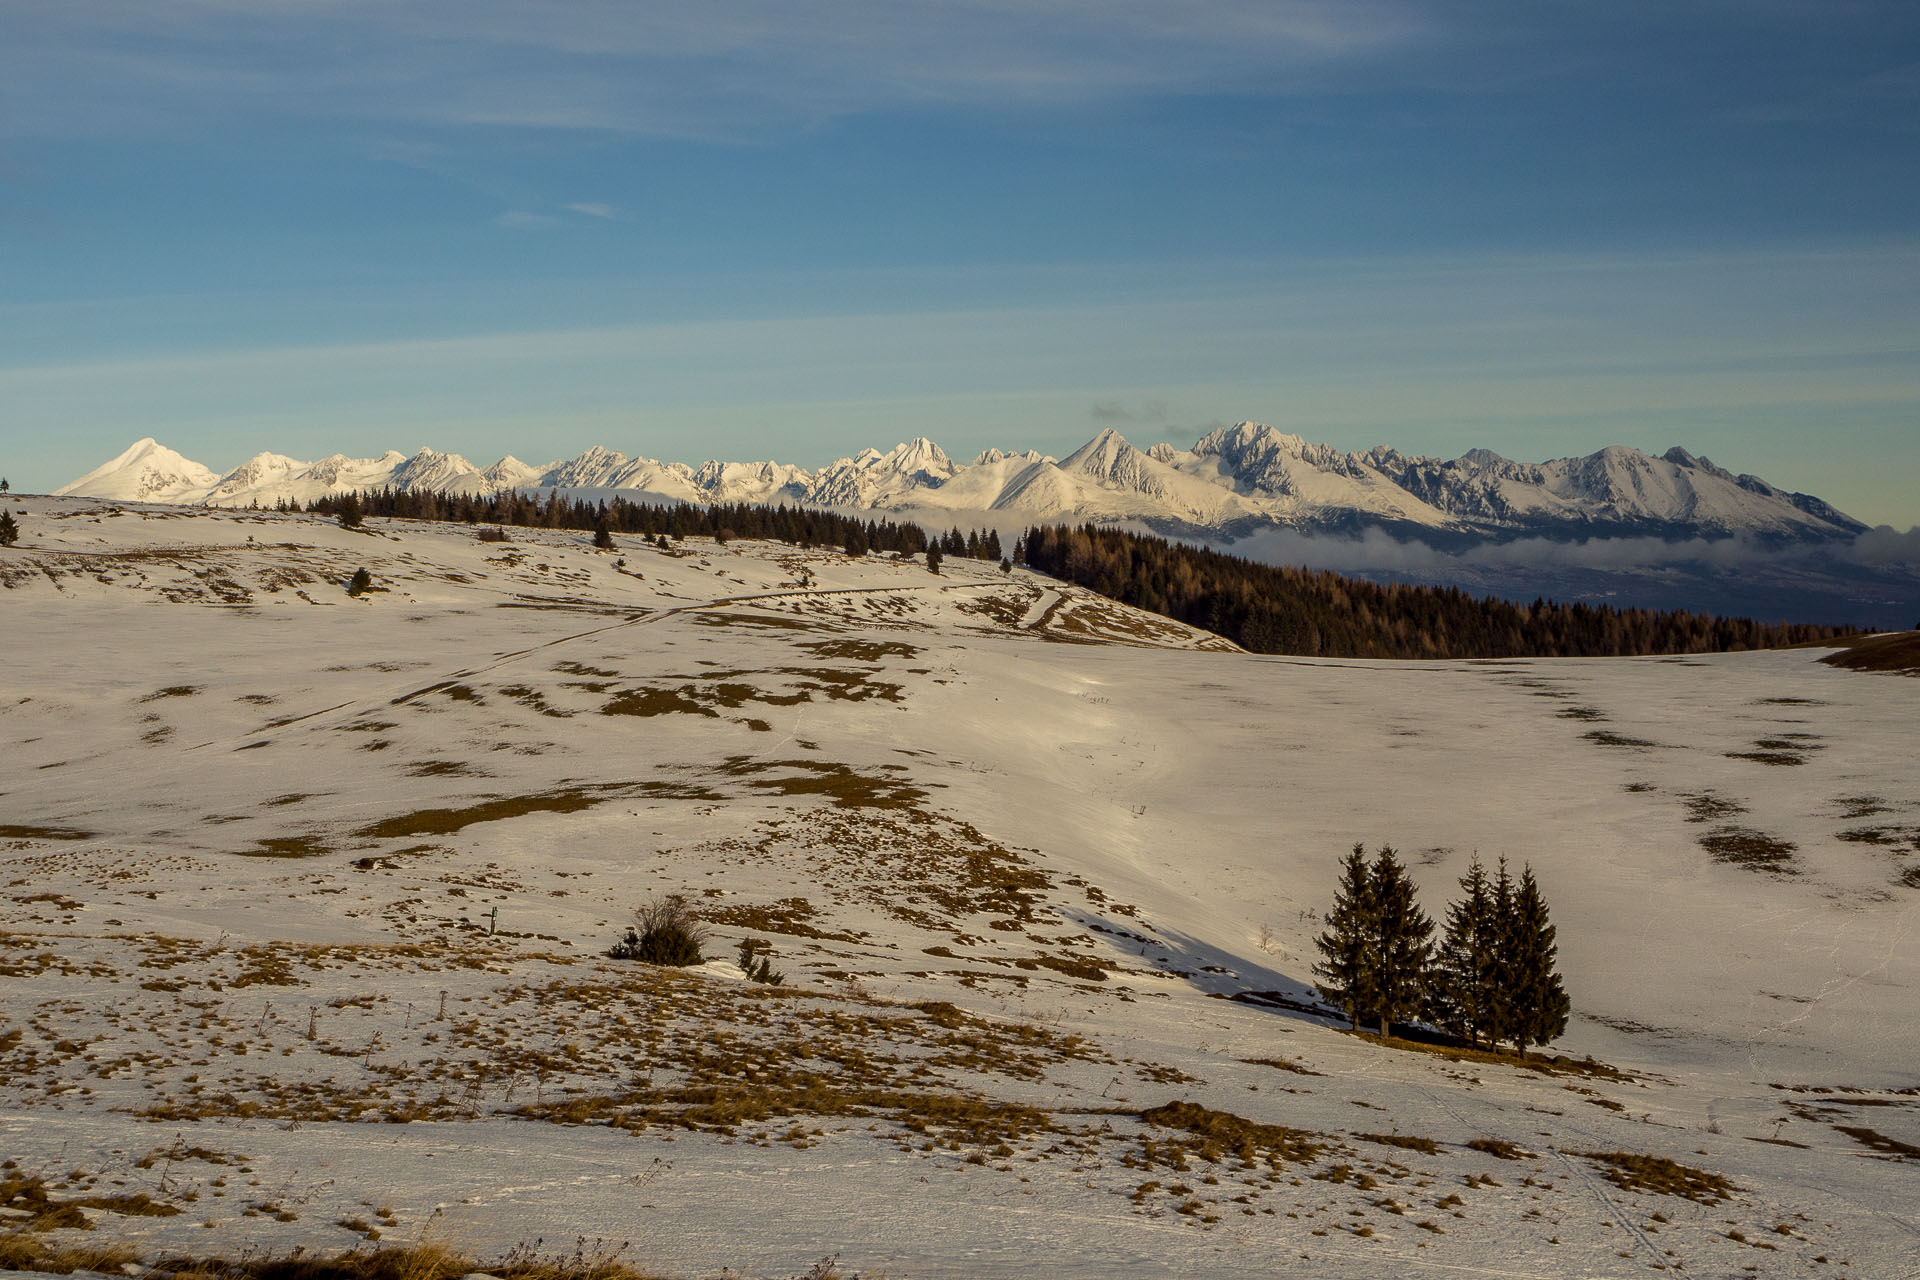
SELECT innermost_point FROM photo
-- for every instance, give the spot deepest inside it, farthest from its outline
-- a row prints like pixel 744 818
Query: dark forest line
pixel 1309 612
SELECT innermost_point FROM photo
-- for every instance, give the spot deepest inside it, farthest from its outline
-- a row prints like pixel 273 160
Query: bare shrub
pixel 665 930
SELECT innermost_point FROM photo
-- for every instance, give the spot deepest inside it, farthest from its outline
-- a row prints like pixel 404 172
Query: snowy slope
pixel 1027 857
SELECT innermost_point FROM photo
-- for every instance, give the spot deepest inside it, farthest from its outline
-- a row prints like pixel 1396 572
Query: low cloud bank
pixel 1379 552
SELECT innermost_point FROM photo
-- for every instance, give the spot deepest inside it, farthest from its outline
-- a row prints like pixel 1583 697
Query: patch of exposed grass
pixel 1898 652
pixel 1608 738
pixel 1661 1176
pixel 1282 1064
pixel 1704 806
pixel 1248 1138
pixel 445 822
pixel 1768 757
pixel 1500 1149
pixel 1556 1064
pixel 791 916
pixel 15 831
pixel 656 702
pixel 423 1260
pixel 1880 1142
pixel 1754 850
pixel 846 788
pixel 860 650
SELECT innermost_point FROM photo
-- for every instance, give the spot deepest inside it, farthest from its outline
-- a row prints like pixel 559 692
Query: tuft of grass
pixel 1500 1149
pixel 1409 1142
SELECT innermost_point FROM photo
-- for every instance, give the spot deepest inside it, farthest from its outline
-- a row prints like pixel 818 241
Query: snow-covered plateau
pixel 304 898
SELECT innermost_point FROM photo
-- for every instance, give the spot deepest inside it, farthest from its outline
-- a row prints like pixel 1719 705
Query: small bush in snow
pixel 756 962
pixel 664 931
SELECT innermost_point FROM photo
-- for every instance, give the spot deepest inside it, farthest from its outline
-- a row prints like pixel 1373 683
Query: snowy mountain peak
pixel 1234 479
pixel 147 471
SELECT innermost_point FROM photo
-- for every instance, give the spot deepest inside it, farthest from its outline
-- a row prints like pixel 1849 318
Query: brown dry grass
pixel 1898 652
pixel 1555 1065
pixel 1662 1176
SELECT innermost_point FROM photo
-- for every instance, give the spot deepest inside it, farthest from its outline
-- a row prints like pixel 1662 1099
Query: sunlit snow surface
pixel 253 829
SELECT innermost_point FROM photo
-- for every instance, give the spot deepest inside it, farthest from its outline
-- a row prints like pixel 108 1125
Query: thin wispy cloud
pixel 522 220
pixel 591 209
pixel 659 66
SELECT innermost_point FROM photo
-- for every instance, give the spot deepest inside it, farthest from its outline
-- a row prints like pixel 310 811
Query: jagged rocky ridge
pixel 1236 480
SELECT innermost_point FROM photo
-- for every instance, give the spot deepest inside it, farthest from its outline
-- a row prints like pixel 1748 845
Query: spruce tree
pixel 1540 1004
pixel 1499 1003
pixel 9 530
pixel 1404 945
pixel 1461 993
pixel 1349 958
pixel 933 557
pixel 603 536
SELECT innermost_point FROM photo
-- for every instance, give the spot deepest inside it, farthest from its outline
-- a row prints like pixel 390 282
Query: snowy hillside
pixel 1234 480
pixel 305 896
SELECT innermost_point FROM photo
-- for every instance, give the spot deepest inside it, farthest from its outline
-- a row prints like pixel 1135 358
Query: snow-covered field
pixel 1017 849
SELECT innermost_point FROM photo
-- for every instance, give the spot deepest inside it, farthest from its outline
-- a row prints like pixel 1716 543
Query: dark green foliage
pixel 9 531
pixel 1283 610
pixel 1463 996
pixel 350 512
pixel 1403 945
pixel 362 582
pixel 1349 959
pixel 603 536
pixel 1491 980
pixel 933 558
pixel 795 526
pixel 664 931
pixel 1539 1002
pixel 757 963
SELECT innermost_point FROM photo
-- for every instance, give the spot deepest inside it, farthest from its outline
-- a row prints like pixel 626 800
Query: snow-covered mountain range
pixel 1235 481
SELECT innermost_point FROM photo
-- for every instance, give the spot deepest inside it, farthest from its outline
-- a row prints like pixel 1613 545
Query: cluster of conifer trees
pixel 1490 980
pixel 1269 609
pixel 795 526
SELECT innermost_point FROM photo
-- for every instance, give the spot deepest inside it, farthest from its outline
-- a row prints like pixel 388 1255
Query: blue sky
pixel 791 230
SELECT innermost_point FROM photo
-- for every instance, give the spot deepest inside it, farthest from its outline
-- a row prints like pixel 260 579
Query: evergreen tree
pixel 1348 948
pixel 362 582
pixel 603 536
pixel 1461 994
pixel 350 512
pixel 9 530
pixel 1499 1006
pixel 1540 1005
pixel 933 557
pixel 1404 943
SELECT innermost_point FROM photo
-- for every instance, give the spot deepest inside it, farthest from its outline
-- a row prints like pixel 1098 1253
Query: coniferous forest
pixel 1270 609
